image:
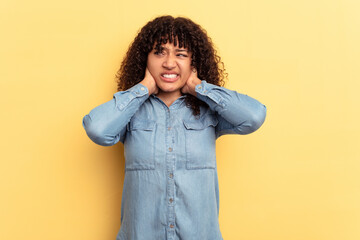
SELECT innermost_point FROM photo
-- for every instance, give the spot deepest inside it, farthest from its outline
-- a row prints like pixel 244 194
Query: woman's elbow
pixel 258 118
pixel 254 122
pixel 96 133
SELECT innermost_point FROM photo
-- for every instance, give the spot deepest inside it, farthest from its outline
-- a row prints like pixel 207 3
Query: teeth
pixel 170 75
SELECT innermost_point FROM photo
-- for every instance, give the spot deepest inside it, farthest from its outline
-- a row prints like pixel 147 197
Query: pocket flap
pixel 209 120
pixel 147 125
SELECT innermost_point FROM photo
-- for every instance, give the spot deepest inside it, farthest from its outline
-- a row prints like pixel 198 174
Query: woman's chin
pixel 169 88
pixel 170 91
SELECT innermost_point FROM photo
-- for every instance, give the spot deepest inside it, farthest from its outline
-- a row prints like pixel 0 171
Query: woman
pixel 170 109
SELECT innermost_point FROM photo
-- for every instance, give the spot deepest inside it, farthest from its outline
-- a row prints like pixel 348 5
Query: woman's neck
pixel 169 97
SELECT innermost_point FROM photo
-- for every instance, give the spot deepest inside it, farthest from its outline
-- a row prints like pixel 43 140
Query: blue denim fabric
pixel 171 185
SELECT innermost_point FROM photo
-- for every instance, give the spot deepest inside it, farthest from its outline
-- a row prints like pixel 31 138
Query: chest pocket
pixel 139 145
pixel 200 142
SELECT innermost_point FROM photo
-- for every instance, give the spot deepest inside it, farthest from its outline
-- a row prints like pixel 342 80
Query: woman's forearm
pixel 106 123
pixel 239 113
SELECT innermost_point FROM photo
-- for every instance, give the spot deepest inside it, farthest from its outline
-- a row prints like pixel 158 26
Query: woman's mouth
pixel 170 77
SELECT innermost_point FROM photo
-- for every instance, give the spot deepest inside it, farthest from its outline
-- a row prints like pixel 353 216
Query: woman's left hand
pixel 191 83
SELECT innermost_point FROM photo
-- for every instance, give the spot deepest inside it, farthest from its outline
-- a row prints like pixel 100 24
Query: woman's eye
pixel 182 55
pixel 159 52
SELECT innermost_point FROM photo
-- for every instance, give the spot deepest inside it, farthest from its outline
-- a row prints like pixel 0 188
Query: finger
pixel 194 75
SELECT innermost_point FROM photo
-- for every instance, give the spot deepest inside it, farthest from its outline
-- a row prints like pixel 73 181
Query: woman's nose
pixel 169 62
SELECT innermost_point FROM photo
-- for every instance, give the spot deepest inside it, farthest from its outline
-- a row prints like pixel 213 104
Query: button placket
pixel 170 167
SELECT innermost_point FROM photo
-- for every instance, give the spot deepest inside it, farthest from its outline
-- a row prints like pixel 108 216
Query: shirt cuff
pixel 204 91
pixel 123 98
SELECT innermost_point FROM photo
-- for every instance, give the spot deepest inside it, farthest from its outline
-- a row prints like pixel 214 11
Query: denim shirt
pixel 171 185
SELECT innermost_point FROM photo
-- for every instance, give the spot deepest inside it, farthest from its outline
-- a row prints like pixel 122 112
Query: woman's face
pixel 170 67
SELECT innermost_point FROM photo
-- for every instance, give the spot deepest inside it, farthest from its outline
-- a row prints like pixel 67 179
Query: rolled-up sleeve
pixel 237 113
pixel 106 124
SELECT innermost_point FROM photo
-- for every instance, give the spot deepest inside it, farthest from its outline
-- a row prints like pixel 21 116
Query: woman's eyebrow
pixel 161 48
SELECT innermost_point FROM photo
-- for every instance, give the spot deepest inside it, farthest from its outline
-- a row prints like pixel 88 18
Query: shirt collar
pixel 176 104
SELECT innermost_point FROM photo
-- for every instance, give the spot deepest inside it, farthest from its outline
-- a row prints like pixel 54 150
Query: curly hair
pixel 179 31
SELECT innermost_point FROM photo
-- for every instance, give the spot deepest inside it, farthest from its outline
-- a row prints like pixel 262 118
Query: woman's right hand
pixel 150 83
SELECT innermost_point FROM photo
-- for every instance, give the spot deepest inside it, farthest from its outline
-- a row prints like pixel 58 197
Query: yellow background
pixel 296 178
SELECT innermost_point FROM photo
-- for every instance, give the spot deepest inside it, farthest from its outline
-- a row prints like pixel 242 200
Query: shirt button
pixel 170 149
pixel 199 87
pixel 142 89
pixel 171 175
pixel 171 226
pixel 169 128
pixel 171 200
